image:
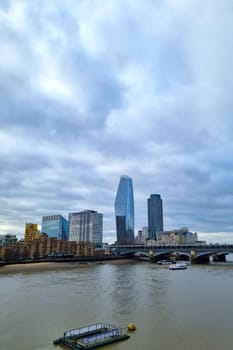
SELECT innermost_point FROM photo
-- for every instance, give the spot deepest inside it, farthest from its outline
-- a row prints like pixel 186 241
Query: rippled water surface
pixel 190 309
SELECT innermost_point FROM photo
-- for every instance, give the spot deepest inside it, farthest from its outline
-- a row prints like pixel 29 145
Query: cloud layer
pixel 91 90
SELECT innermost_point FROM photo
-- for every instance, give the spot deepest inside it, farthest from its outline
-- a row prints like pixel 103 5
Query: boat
pixel 92 336
pixel 178 266
pixel 164 262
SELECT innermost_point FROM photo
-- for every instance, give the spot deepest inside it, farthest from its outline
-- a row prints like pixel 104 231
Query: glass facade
pixel 55 226
pixel 86 226
pixel 155 215
pixel 124 210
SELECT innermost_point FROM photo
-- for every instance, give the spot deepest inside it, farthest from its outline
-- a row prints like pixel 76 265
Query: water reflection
pixel 123 291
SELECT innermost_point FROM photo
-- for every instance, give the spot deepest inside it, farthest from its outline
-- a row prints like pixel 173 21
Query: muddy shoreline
pixel 48 266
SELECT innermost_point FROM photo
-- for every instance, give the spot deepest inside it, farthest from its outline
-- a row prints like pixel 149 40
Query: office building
pixel 155 215
pixel 145 232
pixel 55 226
pixel 124 210
pixel 86 226
pixel 8 239
pixel 31 232
pixel 177 237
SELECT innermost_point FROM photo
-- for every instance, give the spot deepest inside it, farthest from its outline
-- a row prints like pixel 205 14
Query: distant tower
pixel 124 210
pixel 86 226
pixel 155 215
pixel 55 226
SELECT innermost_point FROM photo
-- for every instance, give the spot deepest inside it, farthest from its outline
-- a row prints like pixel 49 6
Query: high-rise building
pixel 55 226
pixel 31 232
pixel 86 226
pixel 155 215
pixel 145 232
pixel 124 210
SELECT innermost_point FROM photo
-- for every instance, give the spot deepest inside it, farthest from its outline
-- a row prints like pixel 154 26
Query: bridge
pixel 197 254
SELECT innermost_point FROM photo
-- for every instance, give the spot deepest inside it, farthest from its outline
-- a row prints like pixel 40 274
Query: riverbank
pixel 48 266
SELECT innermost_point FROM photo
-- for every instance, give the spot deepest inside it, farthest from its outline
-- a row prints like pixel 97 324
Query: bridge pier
pixel 151 256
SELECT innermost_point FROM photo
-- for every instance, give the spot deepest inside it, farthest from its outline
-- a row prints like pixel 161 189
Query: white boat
pixel 178 266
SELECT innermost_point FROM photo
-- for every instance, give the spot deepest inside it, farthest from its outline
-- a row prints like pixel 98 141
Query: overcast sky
pixel 93 89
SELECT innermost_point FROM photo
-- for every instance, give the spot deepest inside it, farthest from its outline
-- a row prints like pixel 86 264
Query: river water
pixel 189 309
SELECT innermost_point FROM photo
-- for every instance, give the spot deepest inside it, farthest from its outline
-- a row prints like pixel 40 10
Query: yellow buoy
pixel 131 327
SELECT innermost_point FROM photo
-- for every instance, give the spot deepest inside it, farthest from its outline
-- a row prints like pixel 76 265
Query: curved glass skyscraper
pixel 124 210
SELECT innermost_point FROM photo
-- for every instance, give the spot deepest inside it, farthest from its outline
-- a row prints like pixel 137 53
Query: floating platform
pixel 92 336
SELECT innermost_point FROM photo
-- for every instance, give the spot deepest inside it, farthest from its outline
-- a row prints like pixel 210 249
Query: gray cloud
pixel 89 92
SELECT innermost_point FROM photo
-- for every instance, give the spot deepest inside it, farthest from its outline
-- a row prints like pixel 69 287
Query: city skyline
pixel 90 91
pixel 114 235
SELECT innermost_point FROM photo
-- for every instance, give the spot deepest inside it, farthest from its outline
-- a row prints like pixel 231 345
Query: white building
pixel 86 226
pixel 142 235
pixel 181 236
